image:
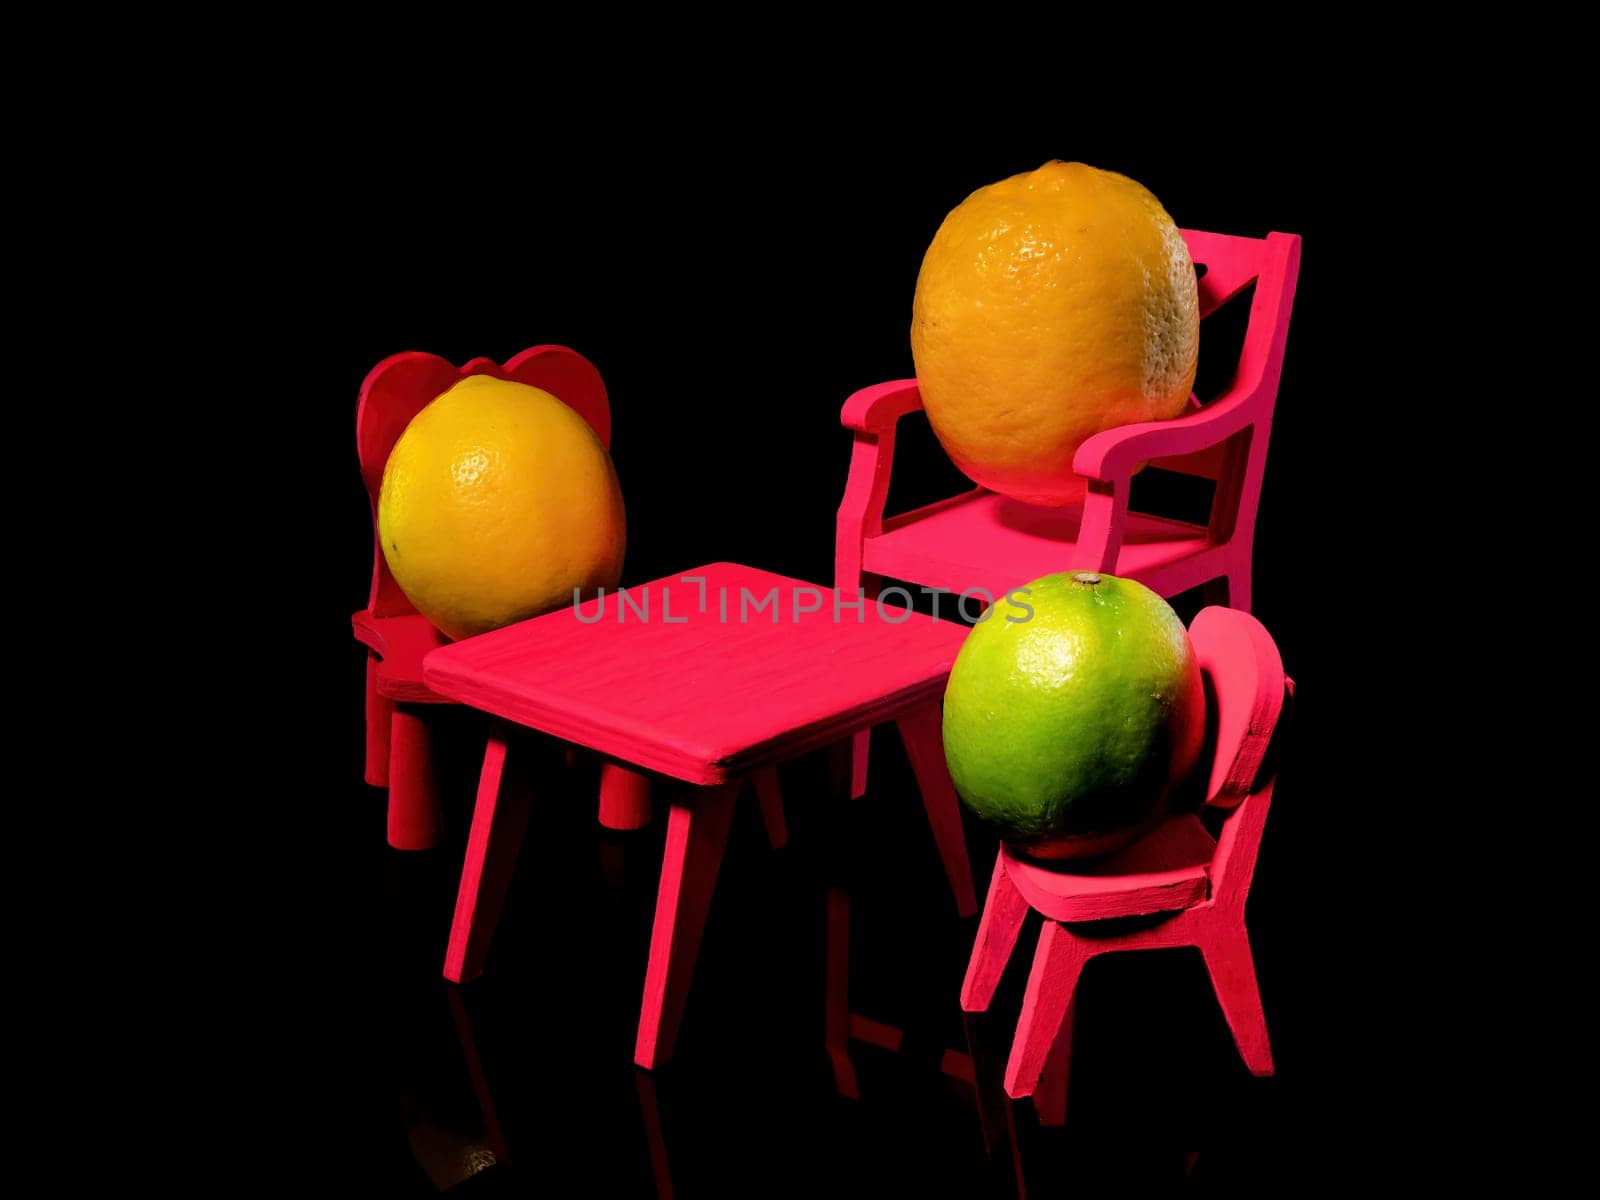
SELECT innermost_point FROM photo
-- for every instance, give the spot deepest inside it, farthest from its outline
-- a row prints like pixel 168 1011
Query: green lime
pixel 1067 729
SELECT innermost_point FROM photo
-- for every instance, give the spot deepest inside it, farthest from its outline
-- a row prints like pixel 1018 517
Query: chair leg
pixel 1050 1097
pixel 413 786
pixel 1233 974
pixel 920 729
pixel 847 765
pixel 1231 590
pixel 380 711
pixel 1056 966
pixel 697 831
pixel 770 797
pixel 1004 912
pixel 836 1024
pixel 498 823
pixel 624 797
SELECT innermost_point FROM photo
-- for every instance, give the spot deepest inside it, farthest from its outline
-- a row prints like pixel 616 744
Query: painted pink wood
pixel 1004 911
pixel 711 702
pixel 398 644
pixel 770 798
pixel 920 728
pixel 499 822
pixel 395 635
pixel 1050 1097
pixel 380 712
pixel 697 831
pixel 624 798
pixel 1164 871
pixel 981 540
pixel 699 699
pixel 413 782
pixel 1176 869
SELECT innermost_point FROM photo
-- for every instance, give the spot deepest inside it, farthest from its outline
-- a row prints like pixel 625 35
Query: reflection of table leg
pixel 836 1022
pixel 480 1081
pixel 498 824
pixel 650 1111
pixel 697 831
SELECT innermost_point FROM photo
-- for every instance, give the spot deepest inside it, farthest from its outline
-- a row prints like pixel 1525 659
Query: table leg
pixel 499 822
pixel 920 729
pixel 697 831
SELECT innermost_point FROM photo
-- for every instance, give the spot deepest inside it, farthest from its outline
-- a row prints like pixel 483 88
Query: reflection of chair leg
pixel 770 797
pixel 1004 911
pixel 650 1113
pixel 492 1131
pixel 413 788
pixel 1056 966
pixel 624 798
pixel 1050 1097
pixel 995 1117
pixel 1233 975
pixel 836 1024
pixel 498 824
pixel 380 711
pixel 920 729
pixel 697 831
pixel 847 765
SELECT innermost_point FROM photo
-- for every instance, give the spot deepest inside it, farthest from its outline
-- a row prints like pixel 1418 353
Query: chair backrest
pixel 1247 692
pixel 1232 264
pixel 399 387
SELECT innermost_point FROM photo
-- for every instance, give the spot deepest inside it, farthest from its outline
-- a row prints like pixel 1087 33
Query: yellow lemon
pixel 497 501
pixel 1050 306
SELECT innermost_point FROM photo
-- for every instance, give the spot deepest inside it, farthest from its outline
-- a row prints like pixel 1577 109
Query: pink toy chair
pixel 982 540
pixel 1179 870
pixel 399 751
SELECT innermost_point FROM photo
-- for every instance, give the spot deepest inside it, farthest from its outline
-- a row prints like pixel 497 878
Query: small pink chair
pixel 983 540
pixel 399 750
pixel 1179 870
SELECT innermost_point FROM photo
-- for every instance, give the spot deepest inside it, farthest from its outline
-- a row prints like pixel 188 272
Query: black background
pixel 733 294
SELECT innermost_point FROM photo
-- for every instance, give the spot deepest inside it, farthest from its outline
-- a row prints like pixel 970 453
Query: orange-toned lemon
pixel 497 501
pixel 1050 306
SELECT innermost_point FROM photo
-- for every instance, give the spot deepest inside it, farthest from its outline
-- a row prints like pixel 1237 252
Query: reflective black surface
pixel 524 1077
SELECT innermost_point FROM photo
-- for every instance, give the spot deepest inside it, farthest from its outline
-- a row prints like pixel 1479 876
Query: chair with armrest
pixel 985 544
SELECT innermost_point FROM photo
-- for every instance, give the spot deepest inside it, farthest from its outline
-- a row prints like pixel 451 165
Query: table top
pixel 704 681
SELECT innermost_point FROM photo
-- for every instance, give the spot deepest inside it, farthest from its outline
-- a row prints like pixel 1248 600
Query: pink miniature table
pixel 710 677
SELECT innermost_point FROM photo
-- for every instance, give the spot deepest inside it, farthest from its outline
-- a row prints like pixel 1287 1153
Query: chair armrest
pixel 871 414
pixel 1114 453
pixel 876 409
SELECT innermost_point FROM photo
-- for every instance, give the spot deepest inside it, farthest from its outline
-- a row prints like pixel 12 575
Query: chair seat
pixel 984 540
pixel 1165 871
pixel 400 643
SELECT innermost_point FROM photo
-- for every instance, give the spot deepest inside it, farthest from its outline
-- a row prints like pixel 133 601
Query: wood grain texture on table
pixel 705 696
